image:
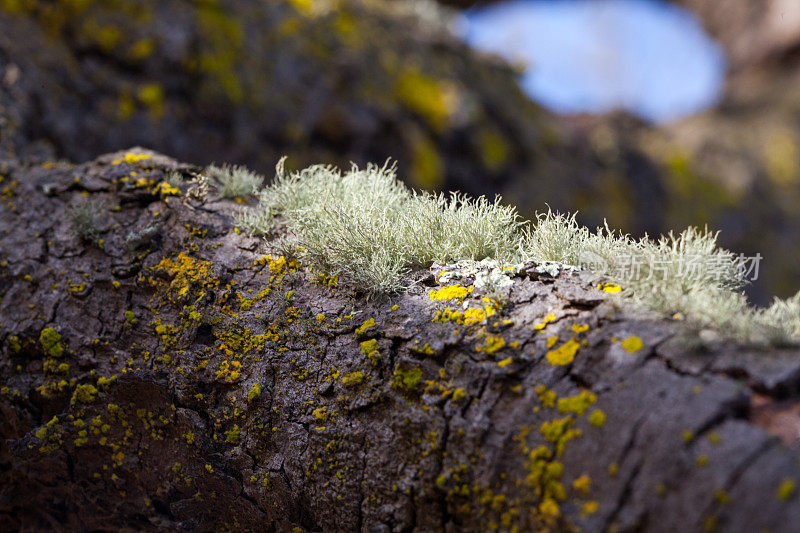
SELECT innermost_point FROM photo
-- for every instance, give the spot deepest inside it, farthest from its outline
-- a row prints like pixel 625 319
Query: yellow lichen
pixel 233 435
pixel 609 287
pixel 545 321
pixel 597 418
pixel 589 508
pixel 406 379
pixel 577 404
pixel 559 432
pixel 352 379
pixel 229 372
pixel 549 510
pixel 130 158
pixel 51 342
pixel 505 362
pixel 633 344
pixel 255 392
pixel 547 397
pixel 582 484
pixel 786 489
pixel 451 292
pixel 563 355
pixel 83 394
pixel 367 324
pixel 425 349
pixel 493 344
pixel 130 318
pixel 433 99
pixel 370 350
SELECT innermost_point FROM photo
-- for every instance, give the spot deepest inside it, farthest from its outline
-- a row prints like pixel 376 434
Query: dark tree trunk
pixel 166 373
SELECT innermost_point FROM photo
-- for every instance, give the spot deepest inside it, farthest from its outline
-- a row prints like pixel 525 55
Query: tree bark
pixel 173 373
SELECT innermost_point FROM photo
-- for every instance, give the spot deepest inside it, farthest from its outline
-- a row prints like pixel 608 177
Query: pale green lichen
pixel 344 231
pixel 339 228
pixel 83 217
pixel 234 181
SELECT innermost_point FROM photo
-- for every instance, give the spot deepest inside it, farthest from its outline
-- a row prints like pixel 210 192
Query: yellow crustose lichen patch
pixel 633 344
pixel 450 293
pixel 564 354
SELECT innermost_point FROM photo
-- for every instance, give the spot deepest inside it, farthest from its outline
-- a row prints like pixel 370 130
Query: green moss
pixel 51 342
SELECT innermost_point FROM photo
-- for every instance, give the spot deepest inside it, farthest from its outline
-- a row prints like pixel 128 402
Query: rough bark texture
pixel 188 377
